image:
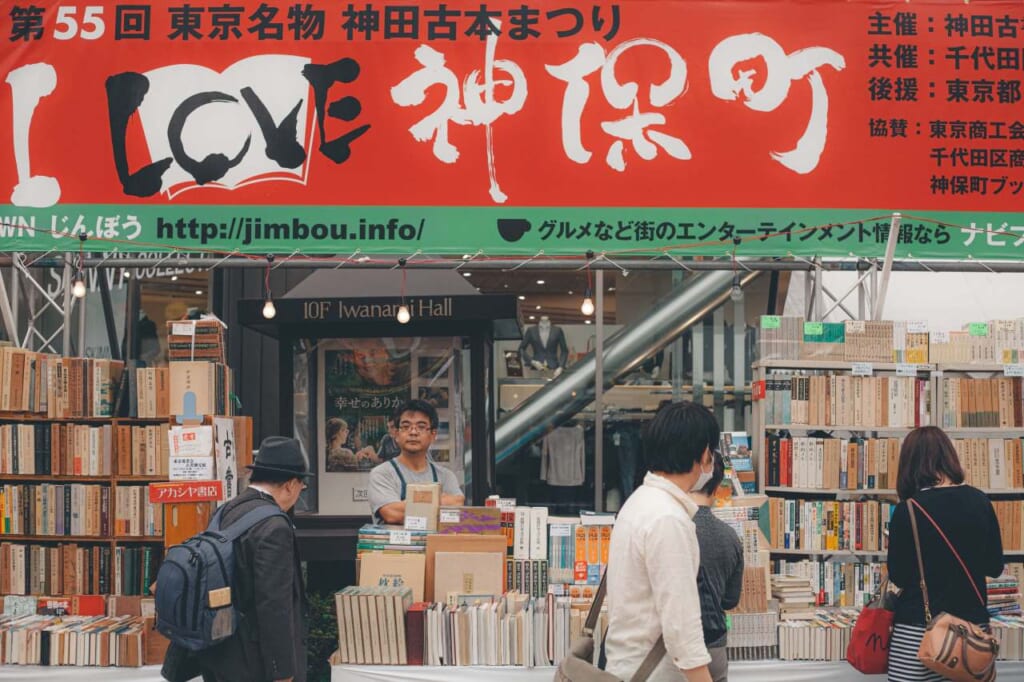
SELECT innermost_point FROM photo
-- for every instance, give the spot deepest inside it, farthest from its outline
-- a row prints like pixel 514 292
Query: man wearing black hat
pixel 268 643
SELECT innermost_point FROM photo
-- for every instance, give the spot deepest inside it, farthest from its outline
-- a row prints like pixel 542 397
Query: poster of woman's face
pixel 364 381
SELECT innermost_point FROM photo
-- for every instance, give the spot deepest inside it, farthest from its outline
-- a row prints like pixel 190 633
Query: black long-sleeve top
pixel 966 516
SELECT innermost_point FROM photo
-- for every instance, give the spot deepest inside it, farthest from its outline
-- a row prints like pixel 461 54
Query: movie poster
pixel 365 380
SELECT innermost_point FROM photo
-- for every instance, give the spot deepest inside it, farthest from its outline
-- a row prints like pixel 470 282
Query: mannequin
pixel 544 347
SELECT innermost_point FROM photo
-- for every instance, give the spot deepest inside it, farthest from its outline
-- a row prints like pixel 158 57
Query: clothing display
pixel 544 343
pixel 623 438
pixel 562 457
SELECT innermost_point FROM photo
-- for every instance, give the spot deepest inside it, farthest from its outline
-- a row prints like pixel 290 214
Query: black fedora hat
pixel 281 455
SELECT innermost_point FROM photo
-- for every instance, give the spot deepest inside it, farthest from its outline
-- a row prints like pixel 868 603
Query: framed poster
pixel 360 383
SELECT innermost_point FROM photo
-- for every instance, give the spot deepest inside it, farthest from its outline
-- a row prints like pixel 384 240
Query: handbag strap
pixel 920 561
pixel 653 657
pixel 952 549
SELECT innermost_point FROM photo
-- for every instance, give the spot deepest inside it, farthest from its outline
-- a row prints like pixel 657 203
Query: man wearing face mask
pixel 653 602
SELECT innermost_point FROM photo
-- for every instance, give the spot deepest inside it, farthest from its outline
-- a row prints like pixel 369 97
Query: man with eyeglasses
pixel 416 422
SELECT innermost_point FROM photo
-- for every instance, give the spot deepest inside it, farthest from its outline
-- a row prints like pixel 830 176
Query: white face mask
pixel 703 479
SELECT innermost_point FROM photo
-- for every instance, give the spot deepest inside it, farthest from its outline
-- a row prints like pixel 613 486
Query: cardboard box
pixel 456 543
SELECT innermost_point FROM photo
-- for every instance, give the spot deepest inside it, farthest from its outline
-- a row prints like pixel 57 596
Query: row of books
pixel 67 569
pixel 157 392
pixel 992 463
pixel 968 402
pixel 831 463
pixel 513 630
pixel 844 584
pixel 823 637
pixel 830 525
pixel 372 624
pixel 148 391
pixel 753 636
pixel 55 386
pixel 886 341
pixel 82 450
pixel 76 509
pixel 833 399
pixel 1010 514
pixel 73 640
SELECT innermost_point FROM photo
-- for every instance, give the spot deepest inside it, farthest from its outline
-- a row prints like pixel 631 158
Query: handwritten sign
pixel 978 328
pixel 904 369
pixel 862 369
pixel 1013 370
pixel 771 322
pixel 415 523
pixel 400 537
pixel 814 328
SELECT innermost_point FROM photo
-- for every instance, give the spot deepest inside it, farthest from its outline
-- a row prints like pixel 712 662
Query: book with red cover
pixel 89 605
pixel 414 632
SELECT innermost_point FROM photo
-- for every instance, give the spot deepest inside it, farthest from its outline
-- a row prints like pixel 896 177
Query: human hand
pixel 537 364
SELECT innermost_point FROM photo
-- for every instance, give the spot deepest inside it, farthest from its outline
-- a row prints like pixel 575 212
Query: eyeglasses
pixel 407 427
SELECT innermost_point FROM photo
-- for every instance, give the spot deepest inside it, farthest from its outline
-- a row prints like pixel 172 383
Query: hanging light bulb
pixel 269 309
pixel 587 308
pixel 78 287
pixel 403 315
pixel 737 291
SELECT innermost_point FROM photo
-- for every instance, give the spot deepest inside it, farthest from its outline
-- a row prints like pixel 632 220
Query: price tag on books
pixel 183 329
pixel 904 369
pixel 814 328
pixel 862 369
pixel 399 537
pixel 771 322
pixel 451 516
pixel 415 523
pixel 1013 370
pixel 939 337
pixel 561 530
pixel 855 327
pixel 978 328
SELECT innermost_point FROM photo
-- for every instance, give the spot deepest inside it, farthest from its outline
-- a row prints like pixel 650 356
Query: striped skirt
pixel 903 663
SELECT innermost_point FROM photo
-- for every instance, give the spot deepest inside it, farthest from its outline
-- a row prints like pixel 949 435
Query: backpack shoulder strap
pixel 433 470
pixel 250 519
pixel 401 478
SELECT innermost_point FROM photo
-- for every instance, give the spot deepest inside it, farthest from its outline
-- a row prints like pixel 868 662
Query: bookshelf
pixel 70 428
pixel 978 404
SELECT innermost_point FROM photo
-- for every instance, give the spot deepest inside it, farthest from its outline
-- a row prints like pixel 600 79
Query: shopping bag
pixel 868 650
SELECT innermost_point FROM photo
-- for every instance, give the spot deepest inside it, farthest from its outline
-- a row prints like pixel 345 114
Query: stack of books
pixel 98 640
pixel 190 340
pixel 869 341
pixel 824 341
pixel 780 337
pixel 1009 630
pixel 390 540
pixel 1003 595
pixel 795 595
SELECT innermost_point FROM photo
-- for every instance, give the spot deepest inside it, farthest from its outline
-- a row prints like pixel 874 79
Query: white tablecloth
pixel 757 671
pixel 739 671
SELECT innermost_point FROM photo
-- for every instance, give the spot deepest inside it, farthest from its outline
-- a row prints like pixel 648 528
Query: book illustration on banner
pixel 434 395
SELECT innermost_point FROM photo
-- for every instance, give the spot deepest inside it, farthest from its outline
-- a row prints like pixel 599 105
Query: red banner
pixel 670 104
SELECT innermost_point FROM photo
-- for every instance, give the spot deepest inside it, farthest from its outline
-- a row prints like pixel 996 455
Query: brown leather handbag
pixel 952 647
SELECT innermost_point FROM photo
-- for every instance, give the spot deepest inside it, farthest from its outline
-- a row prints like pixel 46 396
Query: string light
pixel 269 309
pixel 78 288
pixel 587 308
pixel 403 316
pixel 737 291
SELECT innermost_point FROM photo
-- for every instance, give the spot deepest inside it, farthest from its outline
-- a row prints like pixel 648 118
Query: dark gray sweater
pixel 720 578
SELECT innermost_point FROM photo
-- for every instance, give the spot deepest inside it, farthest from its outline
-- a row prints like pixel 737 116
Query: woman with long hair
pixel 930 474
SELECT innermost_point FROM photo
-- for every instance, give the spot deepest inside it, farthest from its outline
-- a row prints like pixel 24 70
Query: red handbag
pixel 868 650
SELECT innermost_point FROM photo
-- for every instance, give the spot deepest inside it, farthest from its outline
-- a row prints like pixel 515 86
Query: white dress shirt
pixel 652 583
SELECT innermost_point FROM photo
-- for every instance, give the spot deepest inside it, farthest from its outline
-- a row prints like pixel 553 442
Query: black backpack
pixel 194 601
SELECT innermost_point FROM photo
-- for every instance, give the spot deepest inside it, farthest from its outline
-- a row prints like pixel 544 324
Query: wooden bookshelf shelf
pixel 832 427
pixel 995 431
pixel 836 364
pixel 55 538
pixel 33 418
pixel 44 478
pixel 828 491
pixel 830 552
pixel 140 479
pixel 139 538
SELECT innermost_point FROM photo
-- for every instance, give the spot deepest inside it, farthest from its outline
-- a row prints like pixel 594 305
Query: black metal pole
pixel 482 429
pixel 108 318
